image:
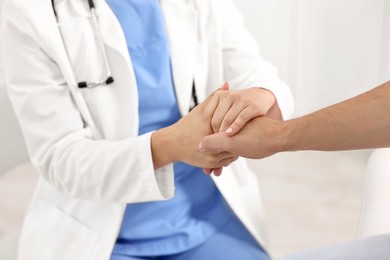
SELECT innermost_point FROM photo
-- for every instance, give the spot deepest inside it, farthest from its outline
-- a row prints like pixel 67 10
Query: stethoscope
pixel 109 78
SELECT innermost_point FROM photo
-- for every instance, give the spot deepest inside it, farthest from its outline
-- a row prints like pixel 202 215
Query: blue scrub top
pixel 197 210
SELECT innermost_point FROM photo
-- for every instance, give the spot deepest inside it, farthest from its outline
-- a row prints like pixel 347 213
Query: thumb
pixel 215 142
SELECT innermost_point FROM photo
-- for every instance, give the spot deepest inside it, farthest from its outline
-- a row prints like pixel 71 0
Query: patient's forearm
pixel 358 123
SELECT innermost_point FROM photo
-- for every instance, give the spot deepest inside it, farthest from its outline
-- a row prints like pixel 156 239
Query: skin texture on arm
pixel 358 123
pixel 361 122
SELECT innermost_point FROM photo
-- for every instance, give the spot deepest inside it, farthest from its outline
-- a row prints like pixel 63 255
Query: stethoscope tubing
pixel 109 78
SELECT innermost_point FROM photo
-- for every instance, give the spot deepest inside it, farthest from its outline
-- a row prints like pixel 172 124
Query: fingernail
pixel 229 130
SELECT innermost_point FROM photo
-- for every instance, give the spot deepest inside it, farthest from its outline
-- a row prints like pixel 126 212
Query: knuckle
pixel 229 119
pixel 251 103
pixel 206 115
pixel 233 96
pixel 242 103
pixel 214 123
pixel 205 142
pixel 244 117
pixel 218 93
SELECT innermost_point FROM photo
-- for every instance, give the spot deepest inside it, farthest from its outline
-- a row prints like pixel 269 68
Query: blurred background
pixel 327 51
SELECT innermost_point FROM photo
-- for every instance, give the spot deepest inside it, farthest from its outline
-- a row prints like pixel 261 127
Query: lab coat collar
pixel 59 52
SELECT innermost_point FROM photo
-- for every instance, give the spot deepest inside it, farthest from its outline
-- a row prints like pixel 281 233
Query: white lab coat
pixel 84 142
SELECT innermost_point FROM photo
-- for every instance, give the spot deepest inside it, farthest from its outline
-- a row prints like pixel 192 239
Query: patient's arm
pixel 358 123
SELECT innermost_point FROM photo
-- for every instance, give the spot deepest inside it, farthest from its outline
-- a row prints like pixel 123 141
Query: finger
pixel 218 171
pixel 208 112
pixel 207 171
pixel 221 155
pixel 227 161
pixel 219 113
pixel 215 142
pixel 241 120
pixel 231 116
pixel 225 86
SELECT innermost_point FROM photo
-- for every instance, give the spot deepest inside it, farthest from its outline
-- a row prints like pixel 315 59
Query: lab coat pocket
pixel 49 233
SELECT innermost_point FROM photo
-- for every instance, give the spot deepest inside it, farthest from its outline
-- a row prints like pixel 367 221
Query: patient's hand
pixel 258 139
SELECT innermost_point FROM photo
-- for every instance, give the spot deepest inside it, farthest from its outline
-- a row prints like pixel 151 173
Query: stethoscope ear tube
pixel 91 4
pixel 109 79
pixel 54 9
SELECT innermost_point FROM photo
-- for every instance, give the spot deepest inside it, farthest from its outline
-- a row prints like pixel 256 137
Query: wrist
pixel 163 143
pixel 289 135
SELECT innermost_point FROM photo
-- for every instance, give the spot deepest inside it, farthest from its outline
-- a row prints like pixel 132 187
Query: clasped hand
pixel 224 111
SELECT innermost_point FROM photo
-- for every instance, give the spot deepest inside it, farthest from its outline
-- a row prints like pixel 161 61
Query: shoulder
pixel 27 17
pixel 26 11
pixel 11 9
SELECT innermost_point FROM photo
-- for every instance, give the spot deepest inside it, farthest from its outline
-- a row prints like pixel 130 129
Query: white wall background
pixel 12 149
pixel 327 50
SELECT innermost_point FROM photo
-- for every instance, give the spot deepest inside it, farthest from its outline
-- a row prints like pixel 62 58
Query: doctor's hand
pixel 230 110
pixel 261 137
pixel 180 142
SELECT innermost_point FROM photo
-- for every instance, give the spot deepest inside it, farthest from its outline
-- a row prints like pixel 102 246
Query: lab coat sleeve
pixel 243 66
pixel 60 146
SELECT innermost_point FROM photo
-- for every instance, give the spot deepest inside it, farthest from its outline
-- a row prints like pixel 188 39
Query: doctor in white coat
pixel 84 142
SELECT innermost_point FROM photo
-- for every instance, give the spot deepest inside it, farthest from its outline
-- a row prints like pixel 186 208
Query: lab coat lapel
pixel 124 97
pixel 59 51
pixel 182 26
